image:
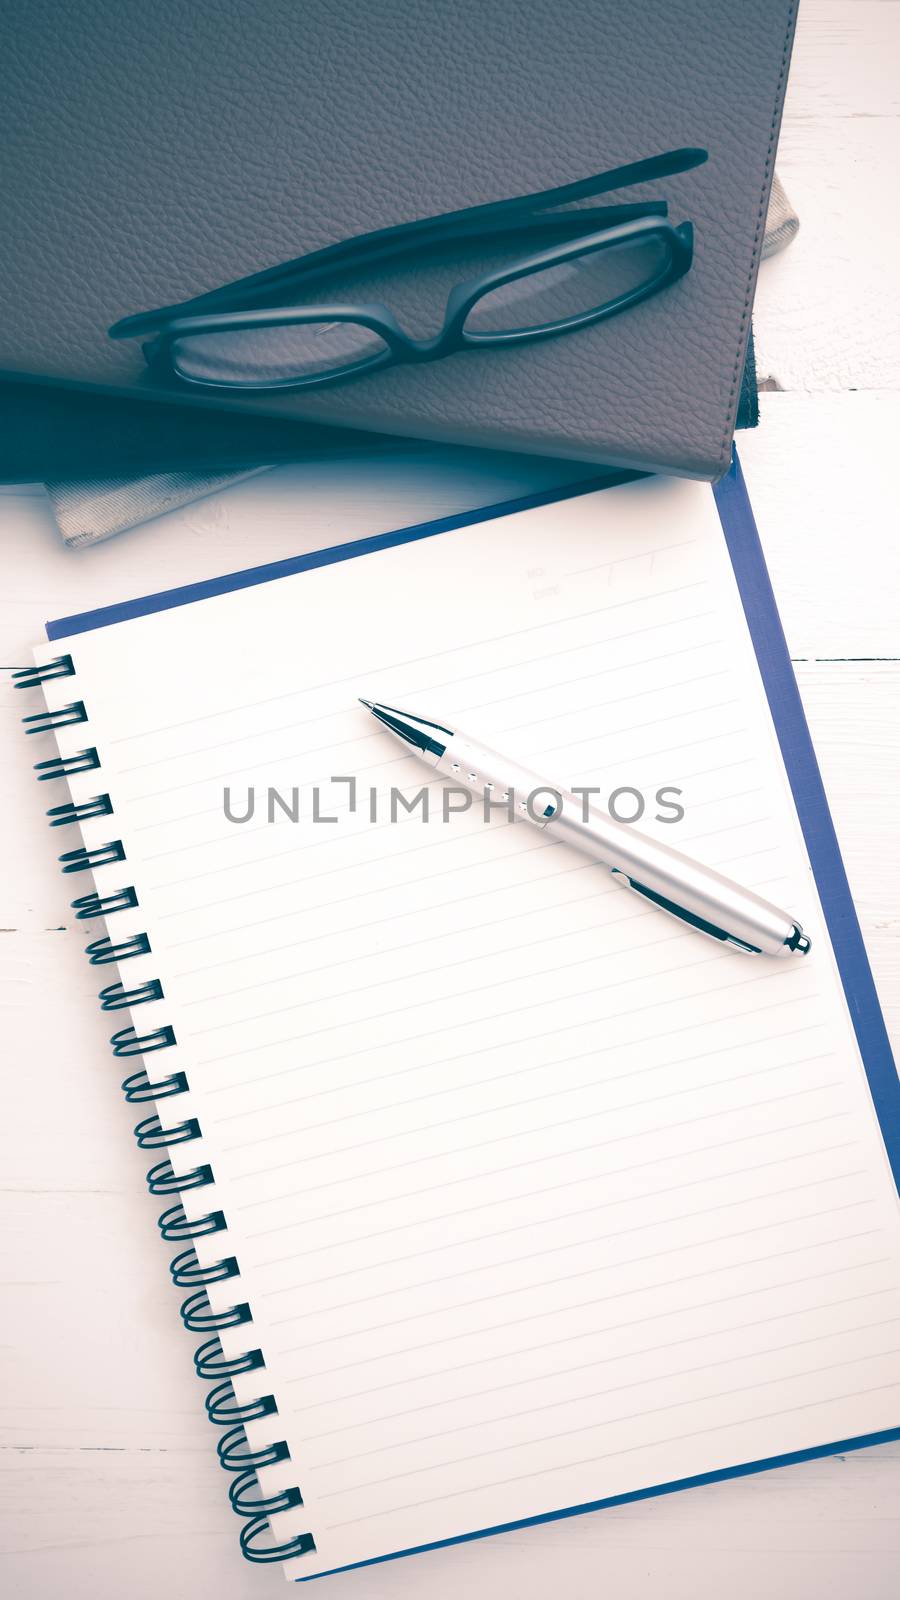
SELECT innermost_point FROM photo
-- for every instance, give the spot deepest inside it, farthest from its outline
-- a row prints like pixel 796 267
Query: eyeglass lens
pixel 569 289
pixel 275 354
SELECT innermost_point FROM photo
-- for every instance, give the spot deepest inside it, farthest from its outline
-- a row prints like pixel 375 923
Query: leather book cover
pixel 155 149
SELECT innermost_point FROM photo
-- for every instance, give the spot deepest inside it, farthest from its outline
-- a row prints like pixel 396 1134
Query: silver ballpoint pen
pixel 695 894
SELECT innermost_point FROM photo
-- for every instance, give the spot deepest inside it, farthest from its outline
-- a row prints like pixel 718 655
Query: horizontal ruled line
pixel 517 1072
pixel 380 1296
pixel 607 1455
pixel 416 944
pixel 620 1294
pixel 628 1167
pixel 529 848
pixel 486 988
pixel 552 1250
pixel 555 1094
pixel 672 937
pixel 634 1383
pixel 555 1343
pixel 374 922
pixel 639 555
pixel 489 1205
pixel 482 677
pixel 593 1145
pixel 393 666
pixel 739 983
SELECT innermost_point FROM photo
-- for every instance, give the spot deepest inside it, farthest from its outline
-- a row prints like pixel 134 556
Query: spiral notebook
pixel 498 1195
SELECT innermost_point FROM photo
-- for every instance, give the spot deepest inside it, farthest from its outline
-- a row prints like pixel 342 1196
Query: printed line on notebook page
pixel 382 766
pixel 628 1167
pixel 482 1206
pixel 704 961
pixel 633 727
pixel 582 867
pixel 640 555
pixel 557 1252
pixel 530 842
pixel 765 1259
pixel 511 1044
pixel 595 893
pixel 263 829
pixel 453 683
pixel 566 966
pixel 386 764
pixel 576 1277
pixel 357 927
pixel 429 843
pixel 555 1094
pixel 721 799
pixel 672 937
pixel 553 1063
pixel 621 699
pixel 642 755
pixel 313 1465
pixel 499 1016
pixel 413 661
pixel 652 1316
pixel 592 1333
pixel 748 855
pixel 555 1249
pixel 729 827
pixel 480 677
pixel 578 1088
pixel 497 854
pixel 591 1147
pixel 361 738
pixel 478 1210
pixel 457 900
pixel 728 766
pixel 494 1483
pixel 413 944
pixel 691 744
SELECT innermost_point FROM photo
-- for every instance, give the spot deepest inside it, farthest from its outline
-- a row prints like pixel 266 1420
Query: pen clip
pixel 689 917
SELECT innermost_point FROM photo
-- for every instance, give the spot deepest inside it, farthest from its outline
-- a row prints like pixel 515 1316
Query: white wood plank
pixel 826 313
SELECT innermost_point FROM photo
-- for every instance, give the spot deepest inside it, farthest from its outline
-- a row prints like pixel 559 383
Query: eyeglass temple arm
pixel 384 241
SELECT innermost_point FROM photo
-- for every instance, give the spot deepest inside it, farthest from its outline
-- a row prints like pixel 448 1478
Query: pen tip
pixel 367 703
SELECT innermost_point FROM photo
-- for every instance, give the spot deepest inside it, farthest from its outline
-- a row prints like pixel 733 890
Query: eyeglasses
pixel 591 265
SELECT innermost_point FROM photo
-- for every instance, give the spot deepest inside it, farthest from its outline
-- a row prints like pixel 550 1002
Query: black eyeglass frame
pixel 453 337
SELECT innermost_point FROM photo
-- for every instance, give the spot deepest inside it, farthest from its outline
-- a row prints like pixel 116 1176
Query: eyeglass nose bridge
pixel 464 296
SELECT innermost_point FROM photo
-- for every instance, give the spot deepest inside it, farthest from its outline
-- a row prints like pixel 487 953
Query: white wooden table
pixel 111 1483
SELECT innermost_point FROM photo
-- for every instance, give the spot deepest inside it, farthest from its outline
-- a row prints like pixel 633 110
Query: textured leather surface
pixel 50 432
pixel 156 148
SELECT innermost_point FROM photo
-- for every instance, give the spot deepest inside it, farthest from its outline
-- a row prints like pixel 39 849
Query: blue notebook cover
pixel 799 757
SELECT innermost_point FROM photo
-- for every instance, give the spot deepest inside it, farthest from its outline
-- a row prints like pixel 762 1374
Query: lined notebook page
pixel 537 1196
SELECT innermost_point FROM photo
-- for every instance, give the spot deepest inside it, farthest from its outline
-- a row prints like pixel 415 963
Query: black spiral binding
pixel 222 1405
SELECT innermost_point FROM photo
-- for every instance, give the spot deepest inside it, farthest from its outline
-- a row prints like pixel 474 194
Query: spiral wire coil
pixel 197 1313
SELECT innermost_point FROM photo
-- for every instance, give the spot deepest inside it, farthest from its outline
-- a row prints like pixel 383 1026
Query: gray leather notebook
pixel 152 154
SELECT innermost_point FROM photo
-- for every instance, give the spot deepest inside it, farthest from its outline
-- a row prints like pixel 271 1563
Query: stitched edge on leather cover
pixel 731 415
